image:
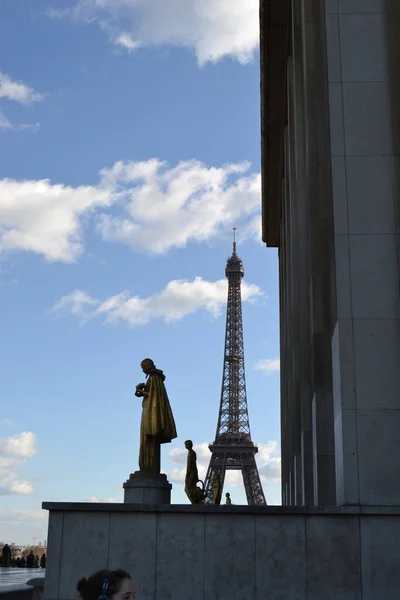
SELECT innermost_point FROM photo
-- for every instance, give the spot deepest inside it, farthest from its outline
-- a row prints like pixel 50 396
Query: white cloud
pixel 15 450
pixel 4 122
pixel 126 40
pixel 30 127
pixel 268 461
pixel 168 207
pixel 5 125
pixel 17 91
pixel 178 299
pixel 46 218
pixel 21 526
pixel 268 365
pixel 109 500
pixel 6 281
pixel 254 228
pixel 153 208
pixel 77 303
pixel 214 29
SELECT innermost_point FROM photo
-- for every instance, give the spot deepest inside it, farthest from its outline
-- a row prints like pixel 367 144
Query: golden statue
pixel 217 489
pixel 157 425
pixel 194 493
pixel 228 500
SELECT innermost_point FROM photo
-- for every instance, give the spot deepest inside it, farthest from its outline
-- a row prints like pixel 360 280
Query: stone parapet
pixel 228 552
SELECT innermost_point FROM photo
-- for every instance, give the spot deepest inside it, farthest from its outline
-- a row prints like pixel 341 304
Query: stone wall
pixel 362 71
pixel 228 553
pixel 16 592
pixel 339 251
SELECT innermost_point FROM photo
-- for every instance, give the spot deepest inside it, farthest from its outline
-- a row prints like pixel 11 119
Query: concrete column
pixel 363 72
pixel 290 396
pixel 320 225
pixel 301 217
pixel 285 415
pixel 294 315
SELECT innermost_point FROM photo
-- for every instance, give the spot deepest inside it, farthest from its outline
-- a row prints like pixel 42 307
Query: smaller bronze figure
pixel 228 500
pixel 193 492
pixel 217 489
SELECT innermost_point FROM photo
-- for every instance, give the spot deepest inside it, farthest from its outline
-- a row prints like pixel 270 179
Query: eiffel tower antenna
pixel 233 448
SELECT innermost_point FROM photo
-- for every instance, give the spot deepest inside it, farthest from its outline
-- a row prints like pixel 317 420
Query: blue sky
pixel 130 147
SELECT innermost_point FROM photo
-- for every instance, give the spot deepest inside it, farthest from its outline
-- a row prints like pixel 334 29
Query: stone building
pixel 330 106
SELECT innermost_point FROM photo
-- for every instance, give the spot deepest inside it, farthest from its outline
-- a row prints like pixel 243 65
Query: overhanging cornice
pixel 274 45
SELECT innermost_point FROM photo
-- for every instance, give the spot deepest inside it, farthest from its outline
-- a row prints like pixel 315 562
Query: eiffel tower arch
pixel 233 448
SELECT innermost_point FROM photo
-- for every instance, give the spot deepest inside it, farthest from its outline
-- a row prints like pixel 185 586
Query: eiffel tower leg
pixel 252 483
pixel 217 466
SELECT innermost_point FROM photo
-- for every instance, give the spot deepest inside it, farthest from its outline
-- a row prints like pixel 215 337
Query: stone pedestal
pixel 147 489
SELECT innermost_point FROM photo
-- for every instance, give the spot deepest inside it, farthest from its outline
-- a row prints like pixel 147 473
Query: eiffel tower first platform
pixel 233 448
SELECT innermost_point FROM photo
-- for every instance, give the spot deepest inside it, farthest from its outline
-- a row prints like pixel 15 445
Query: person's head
pixel 147 364
pixel 110 585
pixel 227 495
pixel 188 444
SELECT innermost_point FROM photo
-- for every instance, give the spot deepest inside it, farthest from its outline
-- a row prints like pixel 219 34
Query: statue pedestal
pixel 147 489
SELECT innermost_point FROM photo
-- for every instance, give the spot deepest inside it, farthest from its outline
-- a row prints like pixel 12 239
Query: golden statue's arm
pixel 141 390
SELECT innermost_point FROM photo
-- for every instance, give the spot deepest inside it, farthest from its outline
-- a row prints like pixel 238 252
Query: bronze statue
pixel 157 425
pixel 193 492
pixel 228 500
pixel 217 489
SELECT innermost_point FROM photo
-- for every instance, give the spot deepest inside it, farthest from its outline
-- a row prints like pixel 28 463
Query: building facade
pixel 330 111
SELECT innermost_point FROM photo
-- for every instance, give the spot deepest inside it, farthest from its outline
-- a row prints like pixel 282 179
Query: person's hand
pixel 140 390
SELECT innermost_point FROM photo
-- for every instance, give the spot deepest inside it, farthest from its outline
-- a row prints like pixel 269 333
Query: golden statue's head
pixel 188 444
pixel 147 364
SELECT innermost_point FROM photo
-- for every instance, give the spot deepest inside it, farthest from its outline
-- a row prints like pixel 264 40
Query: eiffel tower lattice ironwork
pixel 233 447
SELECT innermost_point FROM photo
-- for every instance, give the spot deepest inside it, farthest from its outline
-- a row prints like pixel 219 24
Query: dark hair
pixel 92 587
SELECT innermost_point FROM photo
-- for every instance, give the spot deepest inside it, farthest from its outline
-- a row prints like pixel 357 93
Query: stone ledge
pixel 220 510
pixel 8 588
pixel 37 582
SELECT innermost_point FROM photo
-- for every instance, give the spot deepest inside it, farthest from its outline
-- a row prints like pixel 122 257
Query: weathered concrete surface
pixel 228 553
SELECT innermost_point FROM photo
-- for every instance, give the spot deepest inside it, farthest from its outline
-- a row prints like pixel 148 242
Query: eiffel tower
pixel 233 448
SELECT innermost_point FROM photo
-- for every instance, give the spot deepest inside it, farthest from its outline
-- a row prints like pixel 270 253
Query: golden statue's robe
pixel 157 425
pixel 217 490
pixel 192 474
